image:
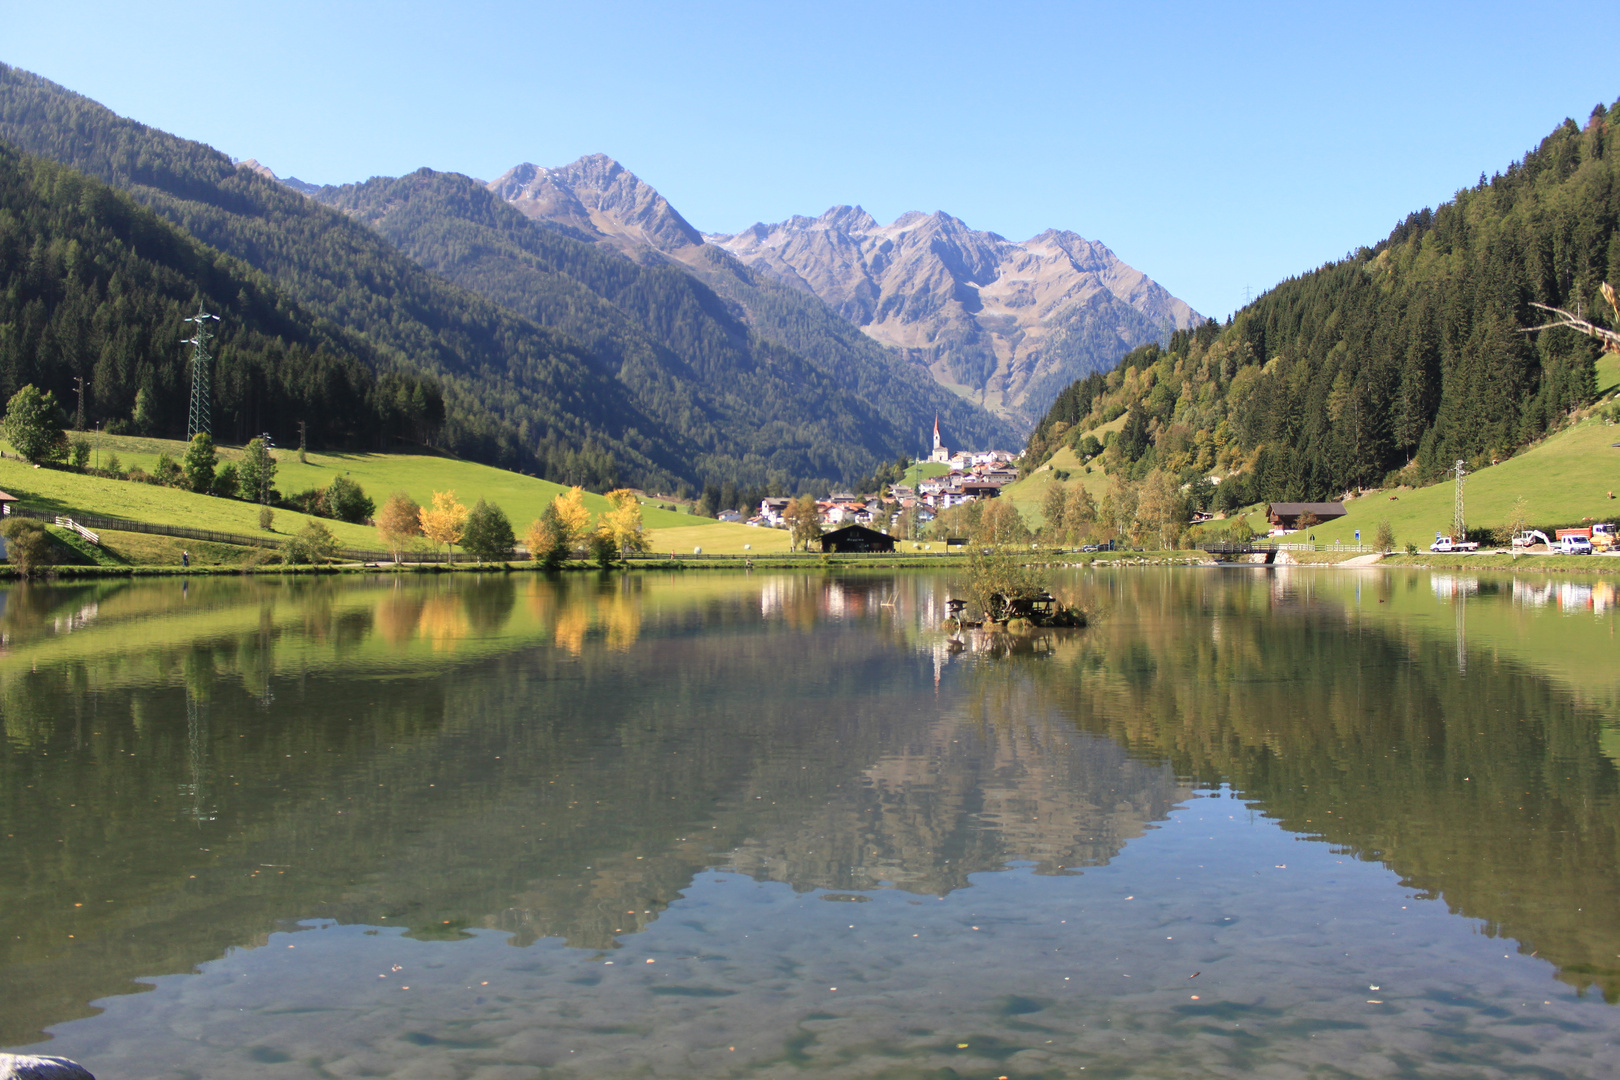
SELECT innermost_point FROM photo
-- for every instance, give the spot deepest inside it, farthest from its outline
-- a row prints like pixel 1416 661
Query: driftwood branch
pixel 1609 338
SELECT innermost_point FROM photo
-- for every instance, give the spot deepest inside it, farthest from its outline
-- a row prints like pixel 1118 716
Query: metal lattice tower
pixel 1459 524
pixel 200 418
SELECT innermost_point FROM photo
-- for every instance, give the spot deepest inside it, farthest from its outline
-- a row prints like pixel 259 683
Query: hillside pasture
pixel 1029 493
pixel 74 494
pixel 1569 477
pixel 719 538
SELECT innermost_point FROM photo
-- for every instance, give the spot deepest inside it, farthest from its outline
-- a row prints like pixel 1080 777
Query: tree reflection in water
pixel 560 758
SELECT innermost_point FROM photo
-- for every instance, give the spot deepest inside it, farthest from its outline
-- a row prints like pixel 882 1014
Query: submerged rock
pixel 32 1067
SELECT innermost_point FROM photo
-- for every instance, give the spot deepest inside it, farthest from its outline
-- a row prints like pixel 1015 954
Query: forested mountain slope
pixel 96 286
pixel 1394 362
pixel 515 393
pixel 750 408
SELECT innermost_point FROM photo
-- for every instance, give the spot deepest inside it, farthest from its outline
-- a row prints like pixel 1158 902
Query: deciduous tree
pixel 1384 539
pixel 803 521
pixel 346 500
pixel 34 425
pixel 314 543
pixel 399 522
pixel 1000 523
pixel 488 533
pixel 1079 511
pixel 1517 520
pixel 1161 509
pixel 256 475
pixel 573 516
pixel 200 462
pixel 547 538
pixel 623 521
pixel 28 546
pixel 444 522
pixel 1053 502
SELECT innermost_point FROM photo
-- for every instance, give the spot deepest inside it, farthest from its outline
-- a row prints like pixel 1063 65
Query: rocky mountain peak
pixel 253 165
pixel 599 197
pixel 848 218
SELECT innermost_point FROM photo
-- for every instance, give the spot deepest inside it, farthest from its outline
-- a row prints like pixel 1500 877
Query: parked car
pixel 1573 545
pixel 1089 547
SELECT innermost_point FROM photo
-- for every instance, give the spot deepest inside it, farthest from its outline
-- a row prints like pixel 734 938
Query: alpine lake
pixel 1267 822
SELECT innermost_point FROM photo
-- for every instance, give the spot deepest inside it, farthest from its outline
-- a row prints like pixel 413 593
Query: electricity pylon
pixel 1459 525
pixel 200 418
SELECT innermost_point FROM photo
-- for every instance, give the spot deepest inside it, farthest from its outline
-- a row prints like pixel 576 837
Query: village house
pixel 980 489
pixel 774 512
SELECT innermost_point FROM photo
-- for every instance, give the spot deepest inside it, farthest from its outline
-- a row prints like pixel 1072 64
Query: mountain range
pixel 1002 324
pixel 573 323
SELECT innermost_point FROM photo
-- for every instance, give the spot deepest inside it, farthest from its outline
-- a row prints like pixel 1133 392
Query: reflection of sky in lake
pixel 1010 855
pixel 1216 944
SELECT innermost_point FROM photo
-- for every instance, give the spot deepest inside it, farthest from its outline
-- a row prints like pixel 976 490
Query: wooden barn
pixel 1287 515
pixel 856 539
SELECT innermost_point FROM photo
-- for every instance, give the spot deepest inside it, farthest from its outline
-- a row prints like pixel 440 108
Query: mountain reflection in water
pixel 189 767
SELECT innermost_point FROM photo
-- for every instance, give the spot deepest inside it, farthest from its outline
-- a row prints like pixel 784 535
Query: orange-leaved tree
pixel 399 522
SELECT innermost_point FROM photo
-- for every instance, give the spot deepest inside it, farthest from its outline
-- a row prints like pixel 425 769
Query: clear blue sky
pixel 1217 147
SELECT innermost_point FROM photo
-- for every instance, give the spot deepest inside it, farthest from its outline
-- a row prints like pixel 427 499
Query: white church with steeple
pixel 940 454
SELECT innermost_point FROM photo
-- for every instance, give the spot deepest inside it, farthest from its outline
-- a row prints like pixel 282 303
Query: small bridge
pixel 1230 550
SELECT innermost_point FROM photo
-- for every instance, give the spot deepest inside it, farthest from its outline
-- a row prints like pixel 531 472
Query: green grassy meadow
pixel 1608 373
pixel 923 470
pixel 71 493
pixel 1028 493
pixel 718 538
pixel 418 475
pixel 1563 479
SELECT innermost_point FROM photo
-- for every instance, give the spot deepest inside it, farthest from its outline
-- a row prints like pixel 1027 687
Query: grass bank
pixel 418 475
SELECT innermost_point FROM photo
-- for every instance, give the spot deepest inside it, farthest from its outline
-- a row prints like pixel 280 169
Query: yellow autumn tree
pixel 573 516
pixel 538 539
pixel 623 521
pixel 445 521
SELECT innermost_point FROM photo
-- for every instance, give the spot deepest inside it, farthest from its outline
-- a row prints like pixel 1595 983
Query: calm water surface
pixel 1253 822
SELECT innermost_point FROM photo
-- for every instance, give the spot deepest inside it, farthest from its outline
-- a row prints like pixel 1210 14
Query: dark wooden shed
pixel 857 539
pixel 1287 515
